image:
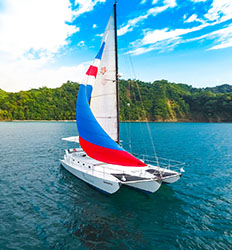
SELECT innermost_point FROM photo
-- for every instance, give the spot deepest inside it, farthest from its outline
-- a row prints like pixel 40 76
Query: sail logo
pixel 102 72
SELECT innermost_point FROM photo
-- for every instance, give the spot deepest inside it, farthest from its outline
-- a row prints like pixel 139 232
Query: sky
pixel 48 42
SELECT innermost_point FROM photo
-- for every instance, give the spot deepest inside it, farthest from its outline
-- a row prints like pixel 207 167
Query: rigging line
pixel 128 69
pixel 144 111
pixel 128 126
pixel 129 64
pixel 129 132
pixel 143 108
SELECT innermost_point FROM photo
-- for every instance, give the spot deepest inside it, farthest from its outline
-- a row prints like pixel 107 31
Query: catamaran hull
pixel 147 186
pixel 171 179
pixel 106 186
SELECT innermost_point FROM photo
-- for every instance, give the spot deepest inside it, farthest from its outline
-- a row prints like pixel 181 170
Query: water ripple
pixel 44 207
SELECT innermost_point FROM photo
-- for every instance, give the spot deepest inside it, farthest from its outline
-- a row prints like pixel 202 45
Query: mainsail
pixel 104 97
pixel 97 135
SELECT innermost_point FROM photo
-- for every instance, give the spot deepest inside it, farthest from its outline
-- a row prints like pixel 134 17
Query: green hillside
pixel 161 101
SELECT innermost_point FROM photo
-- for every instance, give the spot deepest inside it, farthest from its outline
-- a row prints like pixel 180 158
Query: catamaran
pixel 100 160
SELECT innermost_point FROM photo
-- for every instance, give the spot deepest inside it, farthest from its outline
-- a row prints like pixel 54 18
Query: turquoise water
pixel 44 207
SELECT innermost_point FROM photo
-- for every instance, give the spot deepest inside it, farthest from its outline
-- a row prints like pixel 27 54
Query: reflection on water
pixel 100 234
pixel 107 222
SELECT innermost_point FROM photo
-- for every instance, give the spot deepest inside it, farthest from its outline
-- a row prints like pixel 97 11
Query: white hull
pixel 107 177
pixel 104 185
pixel 147 186
pixel 171 179
pixel 167 176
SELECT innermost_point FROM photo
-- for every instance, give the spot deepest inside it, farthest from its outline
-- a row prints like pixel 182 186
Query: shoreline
pixel 143 121
pixel 37 120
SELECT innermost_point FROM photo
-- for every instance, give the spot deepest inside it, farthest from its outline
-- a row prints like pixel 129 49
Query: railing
pixel 162 162
pixel 91 168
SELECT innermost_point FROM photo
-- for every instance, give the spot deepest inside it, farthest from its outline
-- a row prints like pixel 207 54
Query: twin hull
pixel 111 185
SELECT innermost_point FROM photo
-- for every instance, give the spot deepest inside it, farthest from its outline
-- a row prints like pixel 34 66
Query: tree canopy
pixel 157 101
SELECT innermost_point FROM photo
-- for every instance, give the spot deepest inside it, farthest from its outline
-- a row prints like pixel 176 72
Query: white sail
pixel 104 97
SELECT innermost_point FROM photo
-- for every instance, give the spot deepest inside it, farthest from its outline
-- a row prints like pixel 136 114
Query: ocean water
pixel 42 206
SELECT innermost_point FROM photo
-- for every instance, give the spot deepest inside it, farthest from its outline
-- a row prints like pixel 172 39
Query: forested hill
pixel 225 88
pixel 161 101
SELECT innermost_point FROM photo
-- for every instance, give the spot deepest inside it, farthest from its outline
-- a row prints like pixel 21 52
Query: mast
pixel 116 70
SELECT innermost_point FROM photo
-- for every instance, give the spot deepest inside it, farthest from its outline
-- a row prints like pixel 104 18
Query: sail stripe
pixel 110 156
pixel 92 71
pixel 89 90
pixel 99 54
pixel 90 80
